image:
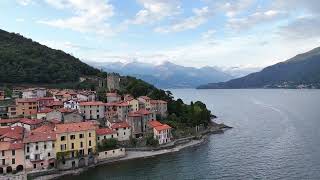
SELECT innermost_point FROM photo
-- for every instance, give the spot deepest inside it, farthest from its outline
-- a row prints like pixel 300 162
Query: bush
pixel 151 141
pixel 107 144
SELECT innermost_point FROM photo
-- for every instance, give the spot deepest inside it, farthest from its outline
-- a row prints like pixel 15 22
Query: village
pixel 60 129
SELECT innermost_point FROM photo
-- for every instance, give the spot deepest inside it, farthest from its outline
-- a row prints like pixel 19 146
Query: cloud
pixel 239 24
pixel 155 10
pixel 302 28
pixel 20 20
pixel 312 6
pixel 234 8
pixel 200 16
pixel 24 2
pixel 88 16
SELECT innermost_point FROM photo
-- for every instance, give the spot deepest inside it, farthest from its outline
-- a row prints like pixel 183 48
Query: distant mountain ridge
pixel 166 74
pixel 301 71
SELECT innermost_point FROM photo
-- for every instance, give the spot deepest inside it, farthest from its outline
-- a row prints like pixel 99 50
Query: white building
pixel 39 150
pixel 71 104
pixel 161 132
pixel 123 130
pixel 105 133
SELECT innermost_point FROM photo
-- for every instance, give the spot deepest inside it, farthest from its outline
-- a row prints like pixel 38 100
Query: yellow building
pixel 75 139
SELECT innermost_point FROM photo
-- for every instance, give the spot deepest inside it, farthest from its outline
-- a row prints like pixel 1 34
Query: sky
pixel 197 33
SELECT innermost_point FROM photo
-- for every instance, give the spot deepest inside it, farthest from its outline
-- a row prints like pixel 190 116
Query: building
pixel 71 116
pixel 113 82
pixel 113 97
pixel 123 130
pixel 12 111
pixel 44 102
pixel 86 96
pixel 160 107
pixel 29 124
pixel 111 110
pixel 11 134
pixel 79 137
pixel 42 114
pixel 105 133
pixel 11 156
pixel 26 107
pixel 34 93
pixel 161 132
pixel 8 122
pixel 71 104
pixel 139 120
pixel 134 104
pixel 55 105
pixel 40 149
pixel 145 100
pixel 123 109
pixel 92 110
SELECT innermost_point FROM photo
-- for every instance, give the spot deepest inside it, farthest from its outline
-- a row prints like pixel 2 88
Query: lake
pixel 275 136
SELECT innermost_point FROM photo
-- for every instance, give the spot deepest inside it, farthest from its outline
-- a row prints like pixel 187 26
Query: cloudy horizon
pixel 244 33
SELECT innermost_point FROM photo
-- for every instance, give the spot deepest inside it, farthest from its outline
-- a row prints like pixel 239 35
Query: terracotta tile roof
pixel 30 121
pixel 75 127
pixel 162 127
pixel 122 124
pixel 55 103
pixel 154 123
pixel 45 98
pixel 92 103
pixel 111 104
pixel 15 133
pixel 26 100
pixel 5 145
pixel 134 114
pixel 45 110
pixel 143 112
pixel 9 120
pixel 105 131
pixel 39 137
pixel 48 128
pixel 145 97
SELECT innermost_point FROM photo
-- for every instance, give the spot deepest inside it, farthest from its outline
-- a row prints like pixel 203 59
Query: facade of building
pixel 139 120
pixel 161 132
pixel 39 150
pixel 105 133
pixel 26 107
pixel 159 107
pixel 123 109
pixel 11 157
pixel 29 124
pixel 44 102
pixel 92 110
pixel 86 96
pixel 34 93
pixel 146 101
pixel 71 104
pixel 134 104
pixel 123 130
pixel 113 97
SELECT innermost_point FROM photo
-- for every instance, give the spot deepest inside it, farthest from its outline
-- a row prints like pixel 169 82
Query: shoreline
pixel 132 155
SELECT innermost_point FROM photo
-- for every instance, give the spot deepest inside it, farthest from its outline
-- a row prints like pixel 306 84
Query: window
pixel 89 134
pixel 63 138
pixel 2 153
pixel 28 157
pixel 98 138
pixel 81 144
pixel 13 152
pixel 37 147
pixel 72 145
pixel 52 145
pixel 72 136
pixel 45 146
pixel 112 136
pixel 3 161
pixel 89 143
pixel 13 161
pixel 124 133
pixel 34 166
pixel 80 136
pixel 104 137
pixel 28 149
pixel 49 154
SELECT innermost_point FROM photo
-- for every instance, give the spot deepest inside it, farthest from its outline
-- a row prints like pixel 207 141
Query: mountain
pixel 25 61
pixel 239 71
pixel 166 74
pixel 301 71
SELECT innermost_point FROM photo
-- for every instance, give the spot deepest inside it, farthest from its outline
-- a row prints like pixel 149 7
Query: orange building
pixel 26 107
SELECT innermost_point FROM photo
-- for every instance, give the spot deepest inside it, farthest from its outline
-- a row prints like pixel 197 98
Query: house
pixel 26 107
pixel 127 97
pixel 71 116
pixel 39 150
pixel 55 105
pixel 79 140
pixel 12 111
pixel 29 124
pixel 138 121
pixel 92 109
pixel 113 97
pixel 123 109
pixel 105 133
pixel 160 107
pixel 86 96
pixel 161 132
pixel 145 100
pixel 54 114
pixel 71 104
pixel 2 95
pixel 111 110
pixel 133 103
pixel 34 93
pixel 14 133
pixel 11 156
pixel 42 114
pixel 122 128
pixel 44 102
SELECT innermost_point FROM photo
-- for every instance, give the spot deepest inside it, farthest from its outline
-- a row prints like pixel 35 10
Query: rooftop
pixel 92 103
pixel 121 124
pixel 105 131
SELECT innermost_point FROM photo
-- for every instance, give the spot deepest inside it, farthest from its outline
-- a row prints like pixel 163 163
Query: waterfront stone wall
pixel 111 154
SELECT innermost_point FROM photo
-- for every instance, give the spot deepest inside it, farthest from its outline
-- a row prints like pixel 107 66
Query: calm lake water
pixel 276 135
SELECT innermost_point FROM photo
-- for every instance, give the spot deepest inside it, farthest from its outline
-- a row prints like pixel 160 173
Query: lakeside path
pixel 130 155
